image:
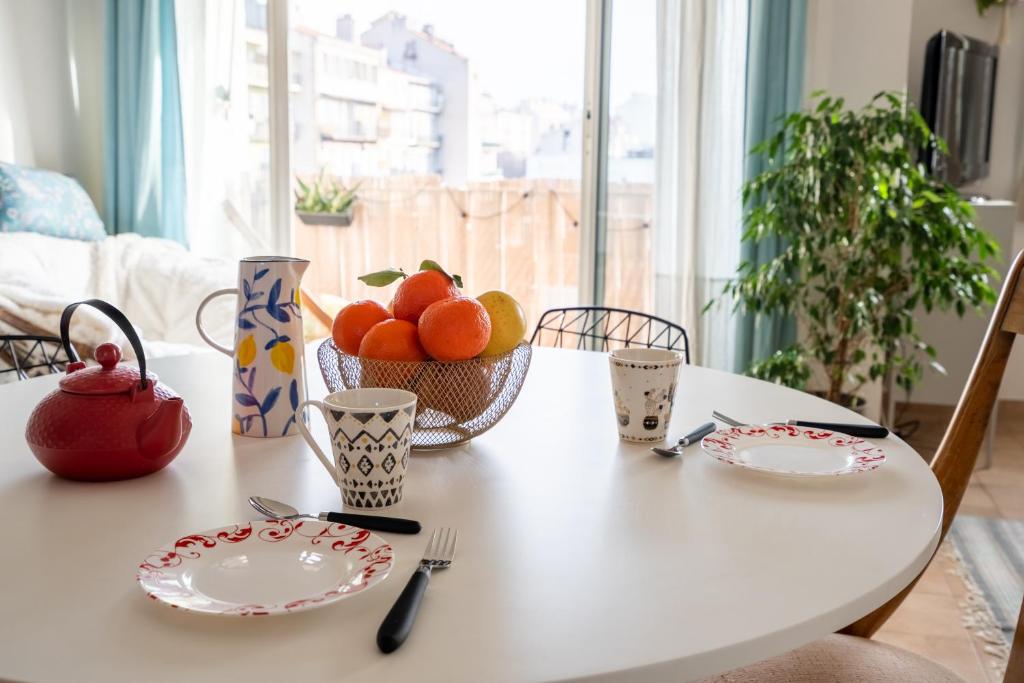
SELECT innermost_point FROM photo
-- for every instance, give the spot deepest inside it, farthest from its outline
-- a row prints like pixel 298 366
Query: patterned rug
pixel 992 553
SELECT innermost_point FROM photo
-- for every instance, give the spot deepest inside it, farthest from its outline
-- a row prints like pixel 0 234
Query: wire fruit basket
pixel 454 401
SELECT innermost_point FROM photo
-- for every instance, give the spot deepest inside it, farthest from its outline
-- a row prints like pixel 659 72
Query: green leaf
pixel 427 264
pixel 383 278
pixel 844 230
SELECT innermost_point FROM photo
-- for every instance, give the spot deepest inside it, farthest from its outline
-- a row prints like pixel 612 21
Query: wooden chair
pixel 310 304
pixel 603 329
pixel 850 655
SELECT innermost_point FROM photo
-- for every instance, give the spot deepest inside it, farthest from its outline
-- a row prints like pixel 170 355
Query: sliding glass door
pixel 623 276
pixel 514 143
pixel 224 77
pixel 458 128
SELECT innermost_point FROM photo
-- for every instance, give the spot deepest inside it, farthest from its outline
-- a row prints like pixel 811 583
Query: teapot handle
pixel 119 318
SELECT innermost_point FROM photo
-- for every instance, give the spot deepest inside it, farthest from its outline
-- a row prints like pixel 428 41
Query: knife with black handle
pixel 862 431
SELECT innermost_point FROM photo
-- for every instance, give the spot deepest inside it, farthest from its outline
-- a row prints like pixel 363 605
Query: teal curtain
pixel 144 149
pixel 775 68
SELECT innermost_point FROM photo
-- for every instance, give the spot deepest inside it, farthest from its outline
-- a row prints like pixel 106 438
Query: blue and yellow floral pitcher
pixel 268 373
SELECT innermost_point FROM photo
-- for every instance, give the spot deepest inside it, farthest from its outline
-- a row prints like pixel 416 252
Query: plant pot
pixel 851 401
pixel 342 219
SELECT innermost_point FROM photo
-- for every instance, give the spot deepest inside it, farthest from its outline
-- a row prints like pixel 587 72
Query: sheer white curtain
pixel 702 48
pixel 223 169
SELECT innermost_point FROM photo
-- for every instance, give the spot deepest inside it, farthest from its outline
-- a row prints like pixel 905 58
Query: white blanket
pixel 155 282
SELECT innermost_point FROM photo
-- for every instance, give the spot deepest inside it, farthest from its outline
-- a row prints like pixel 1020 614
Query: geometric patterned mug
pixel 371 432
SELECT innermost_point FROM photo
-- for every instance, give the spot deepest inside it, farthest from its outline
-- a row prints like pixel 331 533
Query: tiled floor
pixel 930 621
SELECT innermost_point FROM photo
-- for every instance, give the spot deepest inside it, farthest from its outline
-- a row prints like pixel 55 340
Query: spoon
pixel 277 510
pixel 693 437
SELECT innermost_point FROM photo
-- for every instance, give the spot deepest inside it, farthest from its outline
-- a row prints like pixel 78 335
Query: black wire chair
pixel 28 355
pixel 596 328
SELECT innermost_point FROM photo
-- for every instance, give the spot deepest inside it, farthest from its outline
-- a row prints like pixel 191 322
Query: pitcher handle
pixel 332 469
pixel 199 320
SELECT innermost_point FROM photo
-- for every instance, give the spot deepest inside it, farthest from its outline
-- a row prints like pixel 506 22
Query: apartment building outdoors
pixel 398 99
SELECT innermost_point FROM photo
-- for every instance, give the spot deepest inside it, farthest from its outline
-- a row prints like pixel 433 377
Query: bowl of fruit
pixel 464 358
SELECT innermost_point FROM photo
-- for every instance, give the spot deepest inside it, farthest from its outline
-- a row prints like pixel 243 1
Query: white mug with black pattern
pixel 644 391
pixel 371 434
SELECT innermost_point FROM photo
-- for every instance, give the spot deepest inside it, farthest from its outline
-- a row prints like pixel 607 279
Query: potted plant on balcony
pixel 867 238
pixel 324 202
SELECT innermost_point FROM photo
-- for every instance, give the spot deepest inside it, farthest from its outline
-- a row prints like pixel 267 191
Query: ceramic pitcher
pixel 268 369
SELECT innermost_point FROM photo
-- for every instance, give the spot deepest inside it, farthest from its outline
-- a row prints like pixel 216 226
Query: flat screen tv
pixel 957 98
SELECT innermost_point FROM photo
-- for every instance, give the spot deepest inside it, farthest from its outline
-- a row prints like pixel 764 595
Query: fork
pixel 863 431
pixel 398 623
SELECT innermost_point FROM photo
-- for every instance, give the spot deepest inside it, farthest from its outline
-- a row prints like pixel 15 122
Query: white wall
pixel 856 48
pixel 1013 379
pixel 931 16
pixel 51 87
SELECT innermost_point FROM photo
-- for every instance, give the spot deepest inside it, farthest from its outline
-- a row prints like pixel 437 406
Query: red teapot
pixel 109 422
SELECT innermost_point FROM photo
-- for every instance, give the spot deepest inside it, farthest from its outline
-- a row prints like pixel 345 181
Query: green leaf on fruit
pixel 434 265
pixel 383 278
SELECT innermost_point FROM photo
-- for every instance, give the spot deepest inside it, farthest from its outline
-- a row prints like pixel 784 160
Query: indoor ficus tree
pixel 867 237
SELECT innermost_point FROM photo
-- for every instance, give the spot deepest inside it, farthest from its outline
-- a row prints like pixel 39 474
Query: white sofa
pixel 156 283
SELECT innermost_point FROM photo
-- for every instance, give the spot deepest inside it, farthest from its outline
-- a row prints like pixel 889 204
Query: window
pixel 256 14
pixel 460 154
pixel 465 144
pixel 295 74
pixel 624 243
pixel 222 52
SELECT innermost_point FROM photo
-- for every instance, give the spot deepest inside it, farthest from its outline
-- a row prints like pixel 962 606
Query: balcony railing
pixel 520 236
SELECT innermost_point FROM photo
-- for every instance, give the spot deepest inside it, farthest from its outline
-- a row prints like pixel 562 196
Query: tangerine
pixel 354 321
pixel 462 392
pixel 455 329
pixel 392 340
pixel 420 290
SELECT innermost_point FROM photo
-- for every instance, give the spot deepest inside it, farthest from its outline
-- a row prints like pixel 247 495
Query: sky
pixel 523 49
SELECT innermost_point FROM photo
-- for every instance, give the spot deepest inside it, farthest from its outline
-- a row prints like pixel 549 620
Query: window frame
pixel 595 115
pixel 281 233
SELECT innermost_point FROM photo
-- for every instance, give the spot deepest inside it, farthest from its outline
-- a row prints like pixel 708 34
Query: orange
pixel 419 290
pixel 461 391
pixel 353 321
pixel 392 340
pixel 455 329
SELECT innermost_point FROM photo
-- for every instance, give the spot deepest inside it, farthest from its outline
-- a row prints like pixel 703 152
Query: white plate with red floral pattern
pixel 265 567
pixel 793 451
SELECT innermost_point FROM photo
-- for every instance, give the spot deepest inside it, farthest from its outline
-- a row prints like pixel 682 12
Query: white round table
pixel 580 557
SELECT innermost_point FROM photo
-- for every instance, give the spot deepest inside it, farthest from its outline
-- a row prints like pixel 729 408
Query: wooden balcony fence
pixel 517 235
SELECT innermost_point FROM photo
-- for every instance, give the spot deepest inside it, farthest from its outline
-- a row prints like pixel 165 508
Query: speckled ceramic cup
pixel 643 391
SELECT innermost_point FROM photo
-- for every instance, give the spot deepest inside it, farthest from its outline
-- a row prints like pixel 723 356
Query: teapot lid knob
pixel 108 355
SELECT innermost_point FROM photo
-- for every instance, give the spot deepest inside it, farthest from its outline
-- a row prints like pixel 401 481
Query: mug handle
pixel 331 467
pixel 199 320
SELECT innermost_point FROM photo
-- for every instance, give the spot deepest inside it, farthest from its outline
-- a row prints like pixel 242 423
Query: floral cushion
pixel 48 203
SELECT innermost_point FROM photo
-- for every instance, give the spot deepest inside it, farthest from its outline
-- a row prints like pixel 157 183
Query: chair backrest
pixel 27 355
pixel 603 329
pixel 1015 665
pixel 953 463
